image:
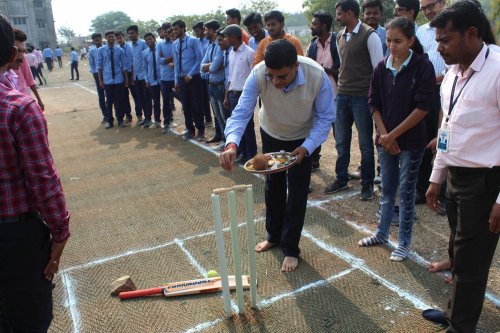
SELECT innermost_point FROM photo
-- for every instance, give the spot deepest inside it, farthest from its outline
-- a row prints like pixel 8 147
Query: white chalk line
pixel 360 264
pixel 413 255
pixel 85 88
pixel 70 293
pixel 203 326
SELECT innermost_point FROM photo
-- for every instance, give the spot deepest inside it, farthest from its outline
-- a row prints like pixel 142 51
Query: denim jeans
pixel 217 93
pixel 402 170
pixel 248 143
pixel 354 109
pixel 167 92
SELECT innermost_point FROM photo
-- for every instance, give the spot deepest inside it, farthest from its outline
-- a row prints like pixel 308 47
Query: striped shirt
pixel 427 37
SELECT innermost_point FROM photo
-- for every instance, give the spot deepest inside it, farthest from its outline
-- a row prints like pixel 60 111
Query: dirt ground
pixel 111 179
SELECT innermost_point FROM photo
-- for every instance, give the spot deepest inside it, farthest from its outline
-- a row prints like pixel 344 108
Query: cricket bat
pixel 190 287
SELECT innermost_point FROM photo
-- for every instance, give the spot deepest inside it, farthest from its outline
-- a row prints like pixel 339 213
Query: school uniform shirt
pixel 474 122
pixel 382 34
pixel 191 57
pixel 128 55
pixel 149 69
pixel 240 65
pixel 397 94
pixel 165 49
pixel 137 48
pixel 93 59
pixel 47 53
pixel 74 56
pixel 254 44
pixel 104 64
pixel 215 57
pixel 204 44
pixel 58 52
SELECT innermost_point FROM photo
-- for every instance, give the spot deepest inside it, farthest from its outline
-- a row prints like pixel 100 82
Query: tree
pixel 110 21
pixel 67 33
pixel 190 20
pixel 258 6
pixel 147 26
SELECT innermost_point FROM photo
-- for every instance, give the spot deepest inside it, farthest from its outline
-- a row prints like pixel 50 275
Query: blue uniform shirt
pixel 165 49
pixel 253 44
pixel 47 53
pixel 191 57
pixel 128 56
pixel 381 34
pixel 137 49
pixel 215 56
pixel 58 52
pixel 74 56
pixel 204 43
pixel 104 64
pixel 147 59
pixel 93 59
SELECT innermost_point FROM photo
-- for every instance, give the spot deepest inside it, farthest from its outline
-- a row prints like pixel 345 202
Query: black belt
pixel 216 83
pixel 236 92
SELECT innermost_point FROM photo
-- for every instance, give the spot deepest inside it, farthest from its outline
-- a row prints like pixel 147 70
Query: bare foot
pixel 439 266
pixel 289 264
pixel 263 246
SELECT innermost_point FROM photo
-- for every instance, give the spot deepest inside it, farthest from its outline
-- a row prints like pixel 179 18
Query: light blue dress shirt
pixel 104 64
pixel 165 49
pixel 58 52
pixel 204 44
pixel 215 57
pixel 254 44
pixel 393 70
pixel 191 57
pixel 137 49
pixel 93 59
pixel 149 69
pixel 128 56
pixel 226 67
pixel 74 56
pixel 47 53
pixel 324 111
pixel 382 34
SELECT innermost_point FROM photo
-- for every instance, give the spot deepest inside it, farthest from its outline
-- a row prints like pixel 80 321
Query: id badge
pixel 443 140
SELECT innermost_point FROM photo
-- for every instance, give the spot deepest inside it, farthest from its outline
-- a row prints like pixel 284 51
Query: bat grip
pixel 140 293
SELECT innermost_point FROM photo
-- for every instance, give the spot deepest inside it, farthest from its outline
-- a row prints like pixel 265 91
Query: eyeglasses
pixel 430 6
pixel 399 9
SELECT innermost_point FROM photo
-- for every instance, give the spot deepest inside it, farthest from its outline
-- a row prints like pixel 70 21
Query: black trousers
pixel 100 94
pixel 114 96
pixel 205 100
pixel 470 196
pixel 74 67
pixel 285 214
pixel 191 99
pixel 25 294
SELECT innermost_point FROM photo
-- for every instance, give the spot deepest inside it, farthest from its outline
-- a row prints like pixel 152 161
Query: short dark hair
pixel 118 33
pixel 149 34
pixel 462 15
pixel 324 18
pixel 407 27
pixel 96 34
pixel 348 5
pixel 133 27
pixel 166 25
pixel 279 54
pixel 159 29
pixel 488 37
pixel 212 25
pixel 274 14
pixel 233 12
pixel 198 25
pixel 7 38
pixel 411 4
pixel 253 18
pixel 19 35
pixel 111 32
pixel 72 49
pixel 219 32
pixel 371 4
pixel 179 23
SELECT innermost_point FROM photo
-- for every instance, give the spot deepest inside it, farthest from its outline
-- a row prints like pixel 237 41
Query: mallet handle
pixel 141 293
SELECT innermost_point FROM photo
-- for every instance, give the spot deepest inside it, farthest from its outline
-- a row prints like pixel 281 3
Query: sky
pixel 77 15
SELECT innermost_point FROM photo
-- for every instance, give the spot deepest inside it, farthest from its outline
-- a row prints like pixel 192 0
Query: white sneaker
pixel 155 125
pixel 173 124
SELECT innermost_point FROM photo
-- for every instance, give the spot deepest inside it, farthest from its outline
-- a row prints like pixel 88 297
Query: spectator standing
pixel 372 14
pixel 137 80
pixel 254 24
pixel 93 50
pixel 48 54
pixel 58 53
pixel 233 16
pixel 165 50
pixel 120 38
pixel 74 64
pixel 199 32
pixel 152 70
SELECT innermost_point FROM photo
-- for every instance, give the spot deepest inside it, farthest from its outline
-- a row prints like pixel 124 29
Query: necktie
pixel 180 57
pixel 155 75
pixel 111 50
pixel 212 52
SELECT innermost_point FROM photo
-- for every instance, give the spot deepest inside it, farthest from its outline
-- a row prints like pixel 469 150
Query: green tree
pixel 147 26
pixel 495 16
pixel 190 20
pixel 258 6
pixel 67 33
pixel 296 20
pixel 110 21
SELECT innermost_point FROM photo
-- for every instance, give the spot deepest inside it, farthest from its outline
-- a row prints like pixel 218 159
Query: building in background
pixel 33 17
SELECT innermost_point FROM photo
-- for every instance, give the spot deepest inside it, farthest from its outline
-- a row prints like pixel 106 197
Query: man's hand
pixel 206 67
pixel 227 158
pixel 187 79
pixel 432 197
pixel 53 264
pixel 125 84
pixel 101 84
pixel 132 81
pixel 495 218
pixel 386 141
pixel 177 88
pixel 226 103
pixel 41 105
pixel 147 85
pixel 300 153
pixel 394 150
pixel 171 65
pixel 432 145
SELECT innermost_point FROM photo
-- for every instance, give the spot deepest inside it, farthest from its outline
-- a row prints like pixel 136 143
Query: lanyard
pixel 453 101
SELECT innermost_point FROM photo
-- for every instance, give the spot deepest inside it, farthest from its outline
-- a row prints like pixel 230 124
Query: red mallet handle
pixel 141 293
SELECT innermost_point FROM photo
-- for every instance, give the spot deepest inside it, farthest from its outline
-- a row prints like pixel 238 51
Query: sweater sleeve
pixel 374 98
pixel 425 86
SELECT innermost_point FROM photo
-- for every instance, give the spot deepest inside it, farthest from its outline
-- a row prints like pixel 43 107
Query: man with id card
pixel 468 155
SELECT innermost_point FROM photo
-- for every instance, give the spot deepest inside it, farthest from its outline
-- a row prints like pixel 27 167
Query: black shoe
pixel 121 124
pixel 366 192
pixel 165 130
pixel 436 316
pixel 103 121
pixel 188 135
pixel 201 136
pixel 335 187
pixel 310 190
pixel 214 139
pixel 108 125
pixel 240 160
pixel 419 198
pixel 147 123
pixel 141 122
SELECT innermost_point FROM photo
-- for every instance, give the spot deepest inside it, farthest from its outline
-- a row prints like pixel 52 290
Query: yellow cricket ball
pixel 212 274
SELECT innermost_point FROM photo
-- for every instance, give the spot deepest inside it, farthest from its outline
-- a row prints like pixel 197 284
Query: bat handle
pixel 140 293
